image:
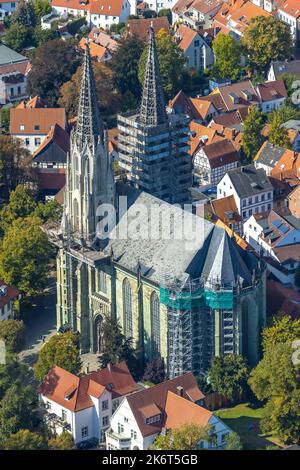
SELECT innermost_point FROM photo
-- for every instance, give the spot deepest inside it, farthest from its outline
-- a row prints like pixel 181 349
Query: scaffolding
pixel 190 312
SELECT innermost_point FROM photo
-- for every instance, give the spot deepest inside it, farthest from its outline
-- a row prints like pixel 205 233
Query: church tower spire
pixel 89 178
pixel 89 125
pixel 152 110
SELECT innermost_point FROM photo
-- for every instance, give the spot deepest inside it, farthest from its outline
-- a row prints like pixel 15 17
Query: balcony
pixel 119 441
pixel 57 423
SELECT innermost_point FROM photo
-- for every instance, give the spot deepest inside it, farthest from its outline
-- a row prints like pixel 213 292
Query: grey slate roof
pixel 249 181
pixel 204 251
pixel 9 56
pixel 292 67
pixel 270 154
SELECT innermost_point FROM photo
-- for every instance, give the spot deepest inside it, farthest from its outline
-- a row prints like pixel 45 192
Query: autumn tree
pixel 15 166
pixel 24 255
pixel 278 134
pixel 13 333
pixel 25 440
pixel 124 65
pixel 252 133
pixel 228 376
pixel 265 40
pixel 171 61
pixel 62 442
pixel 109 100
pixel 61 350
pixel 46 77
pixel 228 56
pixel 187 437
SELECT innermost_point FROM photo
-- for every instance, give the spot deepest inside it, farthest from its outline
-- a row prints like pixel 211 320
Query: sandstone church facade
pixel 187 303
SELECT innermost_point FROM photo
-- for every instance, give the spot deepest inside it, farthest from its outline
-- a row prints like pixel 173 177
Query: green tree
pixel 41 8
pixel 24 14
pixel 187 437
pixel 124 65
pixel 171 61
pixel 166 12
pixel 267 39
pixel 288 112
pixel 233 442
pixel 24 255
pixel 288 79
pixel 283 329
pixel 275 380
pixel 62 442
pixel 45 77
pixel 17 37
pixel 25 440
pixel 13 333
pixel 297 276
pixel 228 376
pixel 14 372
pixel 50 210
pixel 278 134
pixel 5 118
pixel 228 56
pixel 116 347
pixel 42 36
pixel 252 133
pixel 15 166
pixel 18 410
pixel 21 204
pixel 61 350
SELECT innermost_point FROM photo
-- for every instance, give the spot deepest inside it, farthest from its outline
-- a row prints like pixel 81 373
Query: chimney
pixel 179 391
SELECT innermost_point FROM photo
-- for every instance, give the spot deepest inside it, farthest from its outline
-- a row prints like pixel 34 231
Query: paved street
pixel 40 320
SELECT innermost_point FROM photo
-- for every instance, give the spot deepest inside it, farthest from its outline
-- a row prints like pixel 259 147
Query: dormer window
pixel 153 419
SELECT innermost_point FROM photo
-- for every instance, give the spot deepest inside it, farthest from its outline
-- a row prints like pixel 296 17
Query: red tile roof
pixel 36 102
pixel 221 153
pixel 290 7
pixel 56 135
pixel 141 26
pixel 186 35
pixel 281 298
pixel 180 411
pixel 269 91
pixel 11 293
pixel 226 210
pixel 45 118
pixel 155 398
pixel 100 7
pixel 74 392
pixel 49 181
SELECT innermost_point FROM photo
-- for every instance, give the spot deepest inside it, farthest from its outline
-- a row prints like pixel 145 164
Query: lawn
pixel 244 419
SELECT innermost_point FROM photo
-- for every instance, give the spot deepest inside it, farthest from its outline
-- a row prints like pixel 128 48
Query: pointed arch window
pixel 155 323
pixel 102 282
pixel 76 214
pixel 127 308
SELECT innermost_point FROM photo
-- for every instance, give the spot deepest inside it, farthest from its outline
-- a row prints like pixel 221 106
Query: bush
pixel 12 332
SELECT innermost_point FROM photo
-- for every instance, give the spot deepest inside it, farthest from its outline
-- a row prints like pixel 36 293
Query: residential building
pixel 282 299
pixel 267 156
pixel 153 144
pixel 51 160
pixel 140 27
pixel 7 8
pixel 287 166
pixel 14 68
pixel 98 52
pixel 8 296
pixel 83 405
pixel 234 17
pixel 169 405
pixel 293 128
pixel 272 95
pixel 225 209
pixel 251 189
pixel 198 54
pixel 294 202
pixel 141 280
pixel 100 37
pixel 32 124
pixel 213 161
pixel 268 96
pixel 231 119
pixel 276 236
pixel 199 109
pixel 280 67
pixel 289 12
pixel 195 13
pixel 102 13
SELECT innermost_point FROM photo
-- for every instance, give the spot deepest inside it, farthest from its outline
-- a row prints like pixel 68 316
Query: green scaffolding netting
pixel 188 300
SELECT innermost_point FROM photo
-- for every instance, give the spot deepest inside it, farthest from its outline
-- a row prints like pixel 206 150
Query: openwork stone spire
pixel 153 110
pixel 89 125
